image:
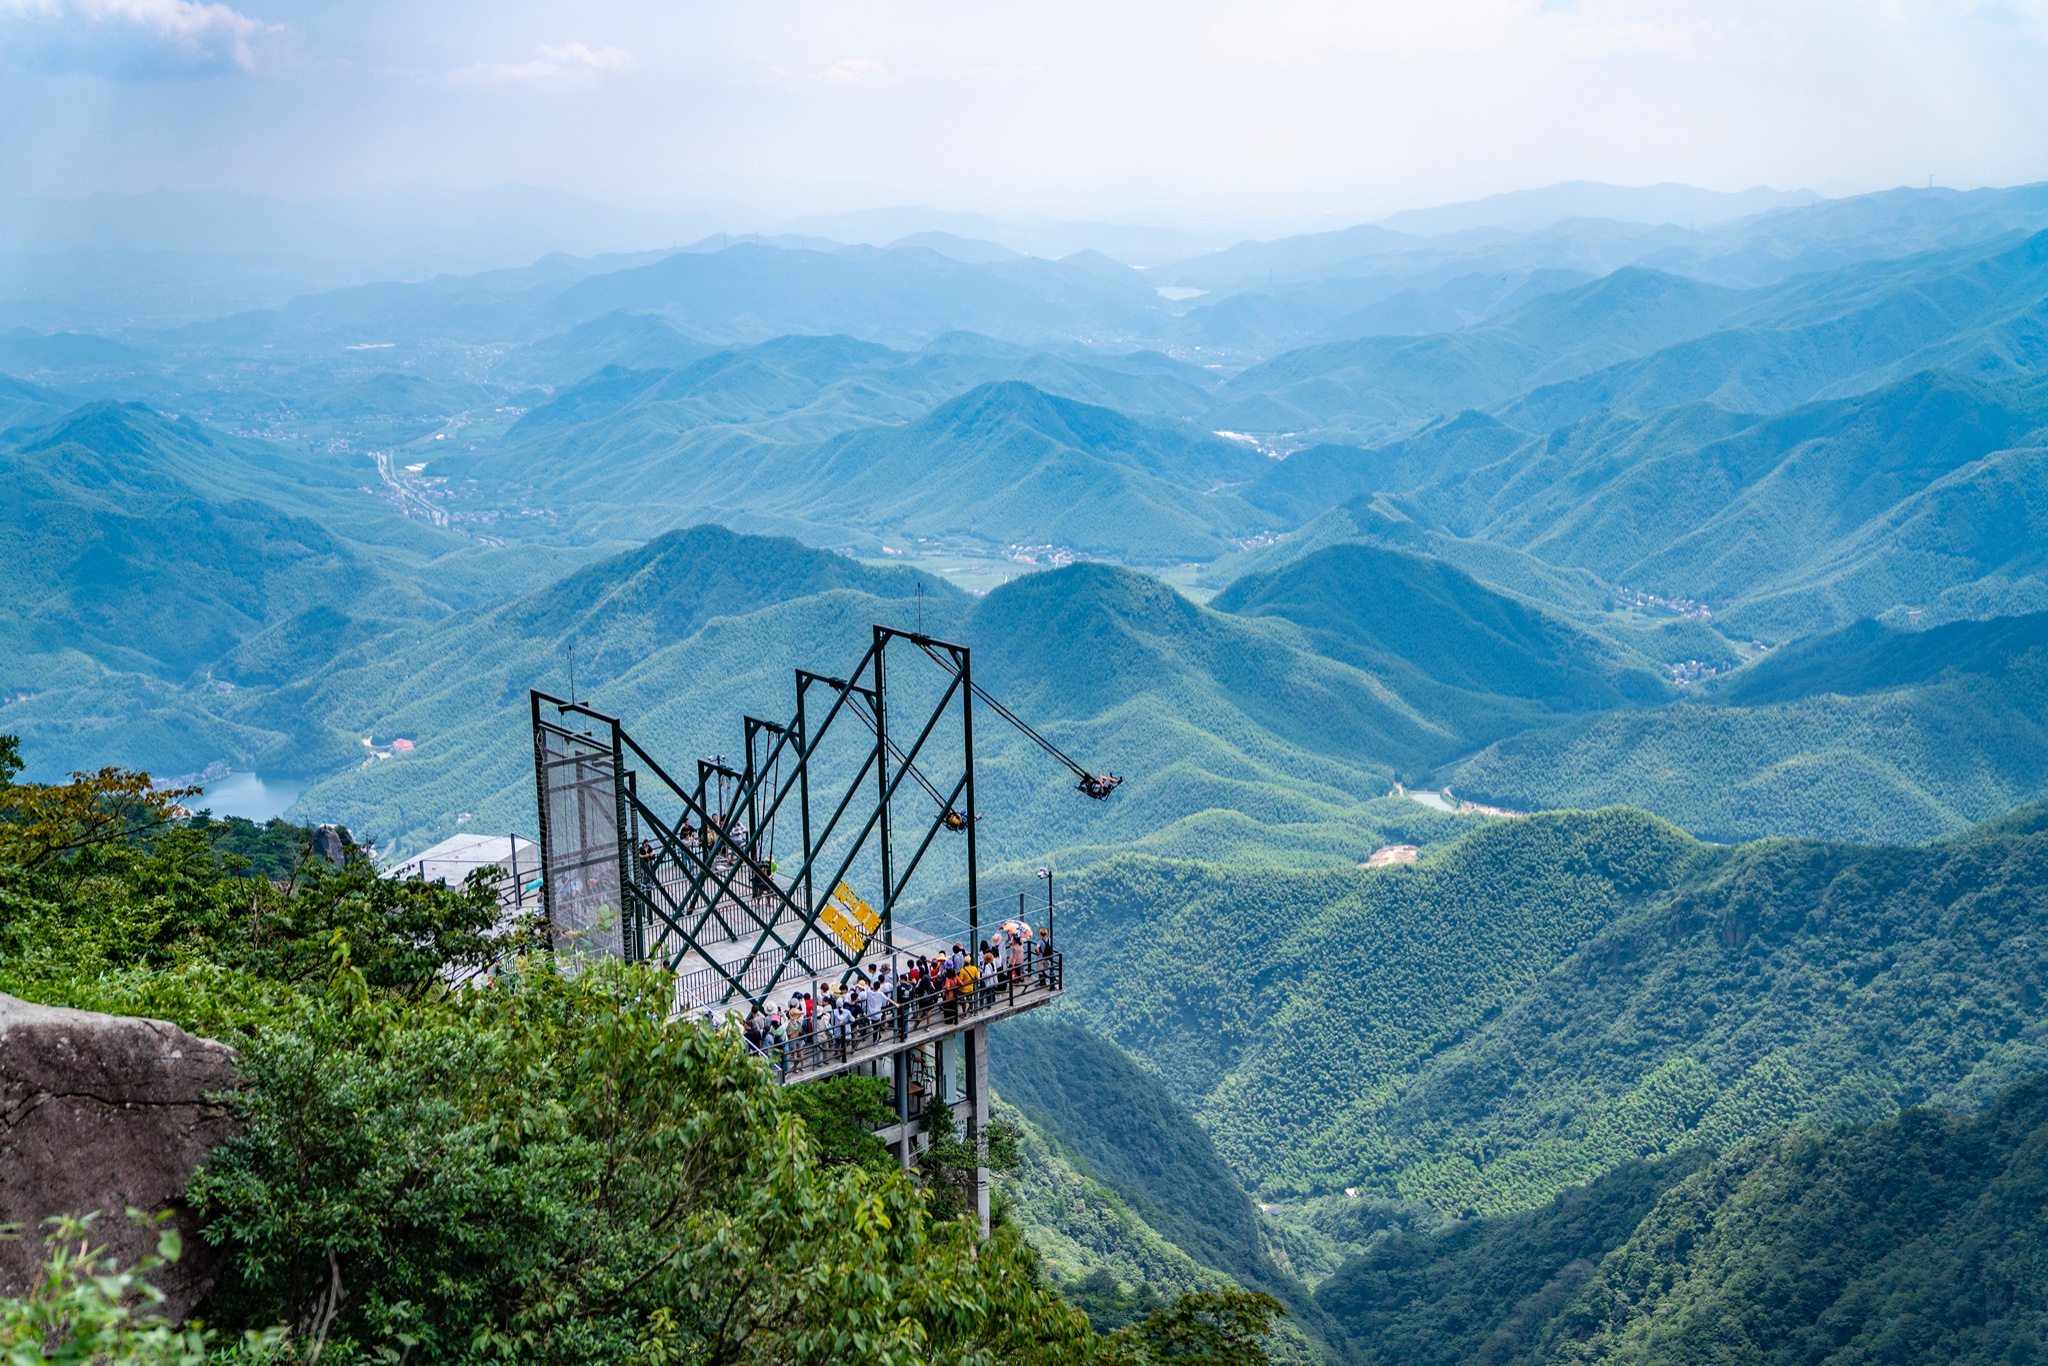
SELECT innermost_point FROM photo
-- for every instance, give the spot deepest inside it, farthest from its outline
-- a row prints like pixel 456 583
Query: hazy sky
pixel 1180 110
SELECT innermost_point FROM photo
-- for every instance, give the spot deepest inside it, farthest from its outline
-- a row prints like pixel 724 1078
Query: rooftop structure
pixel 514 865
pixel 776 887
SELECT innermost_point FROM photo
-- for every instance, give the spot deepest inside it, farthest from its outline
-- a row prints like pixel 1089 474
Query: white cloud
pixel 853 71
pixel 133 37
pixel 572 64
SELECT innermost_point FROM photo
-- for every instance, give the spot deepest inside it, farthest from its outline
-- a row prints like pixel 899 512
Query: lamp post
pixel 1045 876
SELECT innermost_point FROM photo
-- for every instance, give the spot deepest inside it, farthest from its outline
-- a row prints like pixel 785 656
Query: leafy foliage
pixel 1108 1305
pixel 85 1309
pixel 275 849
pixel 1217 1328
pixel 842 1114
pixel 544 1168
pixel 40 823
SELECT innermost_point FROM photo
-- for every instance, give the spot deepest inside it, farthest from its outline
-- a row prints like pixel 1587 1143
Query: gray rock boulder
pixel 107 1113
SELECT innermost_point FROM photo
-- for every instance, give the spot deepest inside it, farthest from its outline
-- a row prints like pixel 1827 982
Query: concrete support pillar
pixel 977 1124
pixel 903 1106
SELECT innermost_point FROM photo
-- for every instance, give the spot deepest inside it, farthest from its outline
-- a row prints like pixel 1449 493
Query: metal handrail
pixel 824 1048
pixel 714 987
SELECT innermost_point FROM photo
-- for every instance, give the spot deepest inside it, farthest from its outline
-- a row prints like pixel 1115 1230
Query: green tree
pixel 1208 1328
pixel 545 1170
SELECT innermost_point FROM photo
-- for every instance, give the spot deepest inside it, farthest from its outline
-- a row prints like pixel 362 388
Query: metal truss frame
pixel 726 892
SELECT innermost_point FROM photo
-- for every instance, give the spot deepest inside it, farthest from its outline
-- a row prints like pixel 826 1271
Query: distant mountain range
pixel 1626 472
pixel 1704 519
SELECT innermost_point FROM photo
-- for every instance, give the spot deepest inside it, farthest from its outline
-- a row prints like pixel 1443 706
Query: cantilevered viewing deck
pixel 776 887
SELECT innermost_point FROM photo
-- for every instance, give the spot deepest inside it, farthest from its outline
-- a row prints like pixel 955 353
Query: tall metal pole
pixel 977 1037
pixel 633 932
pixel 882 796
pixel 967 744
pixel 803 773
pixel 540 788
pixel 627 854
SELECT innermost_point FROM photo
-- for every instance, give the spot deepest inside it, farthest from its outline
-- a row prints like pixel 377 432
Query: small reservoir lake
pixel 249 795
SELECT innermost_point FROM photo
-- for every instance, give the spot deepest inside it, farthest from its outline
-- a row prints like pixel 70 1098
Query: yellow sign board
pixel 850 919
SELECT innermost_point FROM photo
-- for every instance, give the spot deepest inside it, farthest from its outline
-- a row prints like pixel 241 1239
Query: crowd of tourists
pixel 880 1001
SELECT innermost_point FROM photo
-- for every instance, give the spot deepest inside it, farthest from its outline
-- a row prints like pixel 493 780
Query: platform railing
pixel 818 964
pixel 818 1047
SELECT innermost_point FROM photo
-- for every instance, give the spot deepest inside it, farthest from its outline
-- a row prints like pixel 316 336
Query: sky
pixel 1291 112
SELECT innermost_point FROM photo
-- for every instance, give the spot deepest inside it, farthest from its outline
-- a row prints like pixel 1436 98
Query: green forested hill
pixel 1548 998
pixel 1912 1239
pixel 748 292
pixel 1308 481
pixel 155 561
pixel 1489 1289
pixel 1917 1239
pixel 856 443
pixel 1795 523
pixel 1640 341
pixel 1131 1132
pixel 1870 656
pixel 683 634
pixel 1400 613
pixel 1382 384
pixel 1866 733
pixel 1008 464
pixel 1977 311
pixel 146 543
pixel 1397 522
pixel 1090 1242
pixel 1234 723
pixel 1290 1008
pixel 26 404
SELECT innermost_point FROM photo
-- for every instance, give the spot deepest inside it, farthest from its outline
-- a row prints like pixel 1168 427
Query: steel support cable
pixel 896 752
pixel 1093 785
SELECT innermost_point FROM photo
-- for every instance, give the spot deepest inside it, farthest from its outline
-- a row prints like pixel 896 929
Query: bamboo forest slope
pixel 1083 1228
pixel 1130 1131
pixel 1913 1239
pixel 1783 980
pixel 1550 997
pixel 1283 1006
pixel 1488 1288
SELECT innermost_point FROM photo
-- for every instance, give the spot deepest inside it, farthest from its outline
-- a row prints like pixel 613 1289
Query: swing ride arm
pixel 1096 785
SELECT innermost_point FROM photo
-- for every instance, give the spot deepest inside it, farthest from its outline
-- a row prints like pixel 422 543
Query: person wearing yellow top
pixel 969 974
